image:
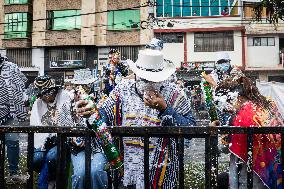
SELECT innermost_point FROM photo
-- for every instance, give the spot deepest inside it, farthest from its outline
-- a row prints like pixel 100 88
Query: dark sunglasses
pixel 49 92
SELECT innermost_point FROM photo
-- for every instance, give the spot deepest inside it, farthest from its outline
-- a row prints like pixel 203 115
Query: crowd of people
pixel 141 93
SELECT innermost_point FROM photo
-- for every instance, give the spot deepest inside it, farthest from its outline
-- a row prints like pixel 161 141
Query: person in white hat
pixel 223 70
pixel 147 100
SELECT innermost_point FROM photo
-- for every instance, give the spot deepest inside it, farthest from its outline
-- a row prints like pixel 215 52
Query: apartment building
pixel 194 30
pixel 55 37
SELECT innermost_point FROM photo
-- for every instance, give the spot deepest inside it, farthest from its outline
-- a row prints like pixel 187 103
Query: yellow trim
pixel 163 171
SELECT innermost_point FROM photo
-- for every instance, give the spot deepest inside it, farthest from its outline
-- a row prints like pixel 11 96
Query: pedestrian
pixel 54 108
pixel 114 71
pixel 250 109
pixel 12 112
pixel 147 100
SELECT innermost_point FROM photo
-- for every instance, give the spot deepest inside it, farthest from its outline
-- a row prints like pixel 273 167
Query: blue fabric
pixel 13 150
pixel 99 179
pixel 171 117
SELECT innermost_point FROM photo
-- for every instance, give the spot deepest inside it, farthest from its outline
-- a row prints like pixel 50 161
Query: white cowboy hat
pixel 152 66
pixel 222 56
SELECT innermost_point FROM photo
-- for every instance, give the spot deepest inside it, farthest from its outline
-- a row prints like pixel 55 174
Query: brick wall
pixel 115 4
pixel 16 43
pixel 61 5
pixel 60 38
pixel 17 8
pixel 123 37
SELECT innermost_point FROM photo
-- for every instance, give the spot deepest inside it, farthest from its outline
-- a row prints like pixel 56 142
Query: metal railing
pixel 209 133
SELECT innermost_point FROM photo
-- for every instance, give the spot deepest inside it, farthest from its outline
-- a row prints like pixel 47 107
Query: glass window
pixel 271 41
pixel 64 20
pixel 263 41
pixel 174 8
pixel 256 41
pixel 213 41
pixel 170 37
pixel 124 20
pixel 250 41
pixel 8 2
pixel 16 25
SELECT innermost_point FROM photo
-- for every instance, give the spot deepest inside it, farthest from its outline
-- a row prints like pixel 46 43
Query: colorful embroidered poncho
pixel 266 147
pixel 125 107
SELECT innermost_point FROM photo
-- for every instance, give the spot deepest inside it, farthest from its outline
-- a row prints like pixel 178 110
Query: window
pixel 9 2
pixel 261 41
pixel 64 20
pixel 178 8
pixel 213 41
pixel 16 25
pixel 170 37
pixel 124 20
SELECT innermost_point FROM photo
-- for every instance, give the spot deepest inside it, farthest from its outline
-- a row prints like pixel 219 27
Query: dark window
pixel 170 37
pixel 9 2
pixel 64 20
pixel 21 57
pixel 76 53
pixel 277 78
pixel 263 41
pixel 213 41
pixel 16 25
pixel 124 20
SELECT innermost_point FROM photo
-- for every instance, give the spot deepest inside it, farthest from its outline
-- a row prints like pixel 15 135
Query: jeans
pixel 39 158
pixel 13 149
pixel 99 179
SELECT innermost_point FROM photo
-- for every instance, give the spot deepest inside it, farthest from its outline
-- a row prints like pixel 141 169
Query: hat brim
pixel 153 76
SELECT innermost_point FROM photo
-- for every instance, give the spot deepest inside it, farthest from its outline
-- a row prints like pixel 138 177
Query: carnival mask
pixel 223 67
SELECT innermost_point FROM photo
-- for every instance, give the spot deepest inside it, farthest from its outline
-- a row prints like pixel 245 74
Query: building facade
pixel 55 37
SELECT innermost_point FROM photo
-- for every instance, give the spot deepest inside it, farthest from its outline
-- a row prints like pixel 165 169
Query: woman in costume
pixel 250 109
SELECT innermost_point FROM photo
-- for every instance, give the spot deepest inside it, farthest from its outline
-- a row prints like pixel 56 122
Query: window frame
pixel 174 37
pixel 12 2
pixel 10 33
pixel 111 21
pixel 208 37
pixel 262 43
pixel 51 20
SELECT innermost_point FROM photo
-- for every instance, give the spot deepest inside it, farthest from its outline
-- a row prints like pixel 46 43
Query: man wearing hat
pixel 114 71
pixel 147 100
pixel 54 107
pixel 223 70
pixel 12 112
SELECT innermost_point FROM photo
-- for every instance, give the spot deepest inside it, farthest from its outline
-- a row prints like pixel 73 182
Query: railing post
pixel 211 161
pixel 146 161
pixel 180 147
pixel 250 159
pixel 88 162
pixel 30 160
pixel 2 160
pixel 61 162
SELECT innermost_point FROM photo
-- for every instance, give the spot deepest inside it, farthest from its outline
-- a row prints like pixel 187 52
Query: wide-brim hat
pixel 222 56
pixel 152 66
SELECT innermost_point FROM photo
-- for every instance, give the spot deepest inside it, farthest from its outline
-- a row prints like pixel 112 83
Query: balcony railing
pixel 209 133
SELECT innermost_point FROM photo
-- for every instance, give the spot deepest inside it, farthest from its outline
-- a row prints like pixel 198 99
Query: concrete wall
pixel 101 19
pixel 236 55
pixel 174 52
pixel 39 26
pixel 38 59
pixel 88 22
pixel 263 56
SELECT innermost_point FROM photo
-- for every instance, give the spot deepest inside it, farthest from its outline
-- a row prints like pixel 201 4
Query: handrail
pixel 208 132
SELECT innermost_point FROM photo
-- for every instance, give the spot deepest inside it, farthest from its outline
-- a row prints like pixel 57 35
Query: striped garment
pixel 12 85
pixel 163 155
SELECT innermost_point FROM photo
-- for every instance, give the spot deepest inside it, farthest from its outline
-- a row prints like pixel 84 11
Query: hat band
pixel 149 70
